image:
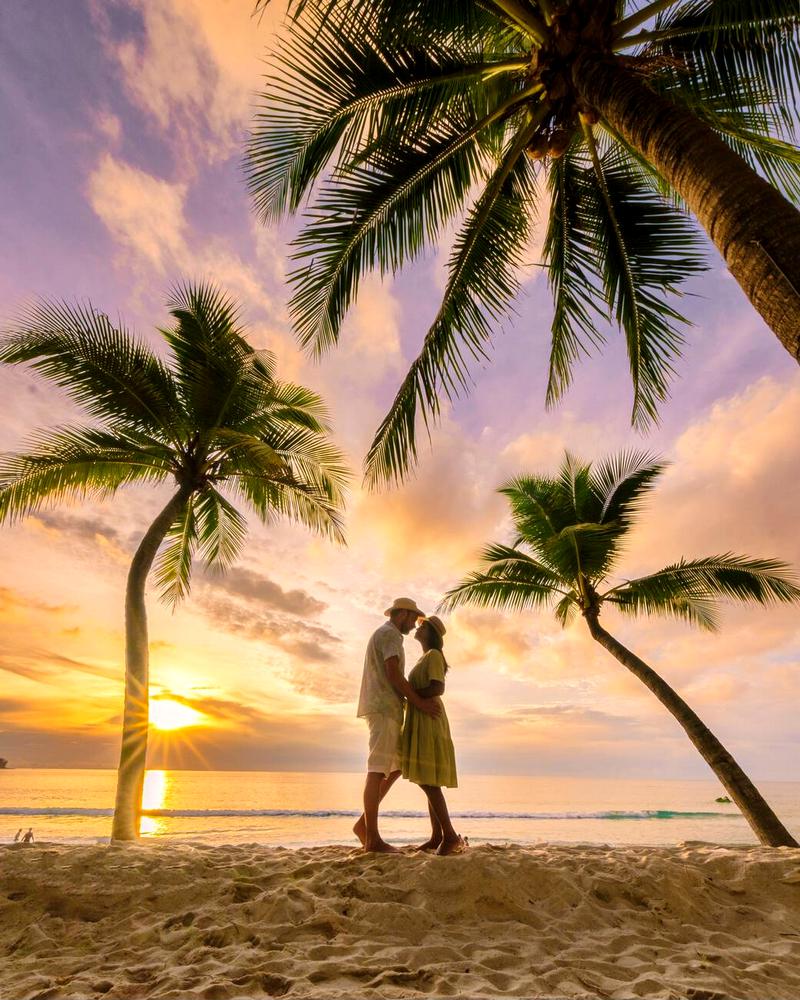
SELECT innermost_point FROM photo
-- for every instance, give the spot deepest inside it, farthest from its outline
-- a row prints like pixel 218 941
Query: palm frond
pixel 73 463
pixel 436 21
pixel 566 609
pixel 483 591
pixel 743 47
pixel 535 509
pixel 646 250
pixel 648 601
pixel 749 124
pixel 312 457
pixel 287 403
pixel 482 282
pixel 511 563
pixel 578 499
pixel 622 483
pixel 572 273
pixel 382 214
pixel 221 379
pixel 333 89
pixel 229 445
pixel 101 366
pixel 173 566
pixel 582 550
pixel 315 504
pixel 221 529
pixel 692 588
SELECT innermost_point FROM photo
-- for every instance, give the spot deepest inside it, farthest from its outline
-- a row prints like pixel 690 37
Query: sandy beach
pixel 166 921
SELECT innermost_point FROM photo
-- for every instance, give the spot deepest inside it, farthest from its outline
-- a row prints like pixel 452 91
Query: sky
pixel 123 126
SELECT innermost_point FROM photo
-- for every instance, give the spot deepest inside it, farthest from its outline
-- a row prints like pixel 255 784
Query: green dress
pixel 428 755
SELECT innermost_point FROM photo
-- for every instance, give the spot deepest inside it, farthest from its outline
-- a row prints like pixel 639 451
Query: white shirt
pixel 378 697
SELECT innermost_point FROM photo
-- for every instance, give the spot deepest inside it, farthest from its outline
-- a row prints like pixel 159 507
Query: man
pixel 384 689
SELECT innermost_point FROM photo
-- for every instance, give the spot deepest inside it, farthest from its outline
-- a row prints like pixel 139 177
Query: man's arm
pixel 395 677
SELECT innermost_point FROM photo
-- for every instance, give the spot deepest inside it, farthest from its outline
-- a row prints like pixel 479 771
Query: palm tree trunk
pixel 754 227
pixel 766 825
pixel 136 716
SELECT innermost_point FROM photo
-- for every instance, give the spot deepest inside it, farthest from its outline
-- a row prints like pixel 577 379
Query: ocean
pixel 294 809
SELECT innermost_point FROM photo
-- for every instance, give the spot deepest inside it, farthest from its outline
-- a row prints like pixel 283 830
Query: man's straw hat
pixel 404 604
pixel 436 623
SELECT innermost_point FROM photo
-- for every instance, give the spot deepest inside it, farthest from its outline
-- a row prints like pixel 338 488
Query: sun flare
pixel 168 714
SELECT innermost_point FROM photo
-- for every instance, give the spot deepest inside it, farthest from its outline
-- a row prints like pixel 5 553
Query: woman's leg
pixel 436 832
pixel 451 842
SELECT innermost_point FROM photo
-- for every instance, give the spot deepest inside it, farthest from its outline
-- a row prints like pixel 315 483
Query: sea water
pixel 296 809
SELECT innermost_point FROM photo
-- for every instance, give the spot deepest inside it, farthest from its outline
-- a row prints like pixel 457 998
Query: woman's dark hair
pixel 435 641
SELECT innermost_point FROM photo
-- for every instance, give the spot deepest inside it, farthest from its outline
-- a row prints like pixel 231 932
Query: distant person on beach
pixel 28 838
pixel 384 689
pixel 428 757
pixel 17 835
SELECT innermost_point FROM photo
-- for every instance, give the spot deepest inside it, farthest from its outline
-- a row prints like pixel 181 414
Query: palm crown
pixel 212 417
pixel 570 532
pixel 406 116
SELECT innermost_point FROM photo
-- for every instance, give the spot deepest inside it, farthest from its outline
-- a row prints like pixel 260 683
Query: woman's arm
pixel 434 690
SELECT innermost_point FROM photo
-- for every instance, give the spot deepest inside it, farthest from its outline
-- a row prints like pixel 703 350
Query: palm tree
pixel 212 420
pixel 570 529
pixel 613 119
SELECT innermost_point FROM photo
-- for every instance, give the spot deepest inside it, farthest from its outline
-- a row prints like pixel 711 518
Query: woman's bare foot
pixel 452 845
pixel 360 829
pixel 429 845
pixel 379 846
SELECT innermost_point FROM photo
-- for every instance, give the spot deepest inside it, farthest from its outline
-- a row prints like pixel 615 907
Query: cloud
pixel 440 517
pixel 84 528
pixel 45 666
pixel 143 213
pixel 146 217
pixel 14 605
pixel 192 67
pixel 733 483
pixel 282 631
pixel 259 590
pixel 108 125
pixel 360 377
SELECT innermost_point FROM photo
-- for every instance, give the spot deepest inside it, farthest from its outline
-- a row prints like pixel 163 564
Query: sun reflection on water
pixel 154 795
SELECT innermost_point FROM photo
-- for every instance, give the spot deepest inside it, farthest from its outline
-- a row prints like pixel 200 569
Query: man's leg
pixel 360 828
pixel 373 841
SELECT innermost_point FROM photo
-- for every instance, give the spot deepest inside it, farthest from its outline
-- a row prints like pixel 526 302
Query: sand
pixel 695 921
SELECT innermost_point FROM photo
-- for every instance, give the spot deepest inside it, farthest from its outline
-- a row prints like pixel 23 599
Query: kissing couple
pixel 418 746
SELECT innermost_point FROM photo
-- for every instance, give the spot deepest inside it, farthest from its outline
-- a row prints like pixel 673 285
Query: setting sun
pixel 167 714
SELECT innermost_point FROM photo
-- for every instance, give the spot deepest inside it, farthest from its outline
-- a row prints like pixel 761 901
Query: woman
pixel 428 758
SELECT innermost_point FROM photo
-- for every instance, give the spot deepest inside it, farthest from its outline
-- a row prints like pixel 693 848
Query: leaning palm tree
pixel 569 533
pixel 613 119
pixel 212 420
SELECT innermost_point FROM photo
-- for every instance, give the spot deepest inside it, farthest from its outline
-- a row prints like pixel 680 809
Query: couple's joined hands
pixel 430 706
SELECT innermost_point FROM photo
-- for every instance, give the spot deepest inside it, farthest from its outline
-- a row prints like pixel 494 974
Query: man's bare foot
pixel 360 829
pixel 379 846
pixel 452 846
pixel 429 845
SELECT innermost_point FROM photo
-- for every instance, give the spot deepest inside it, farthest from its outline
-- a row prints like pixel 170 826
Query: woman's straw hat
pixel 404 604
pixel 436 623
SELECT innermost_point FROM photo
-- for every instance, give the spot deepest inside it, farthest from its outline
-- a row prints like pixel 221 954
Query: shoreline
pixel 159 921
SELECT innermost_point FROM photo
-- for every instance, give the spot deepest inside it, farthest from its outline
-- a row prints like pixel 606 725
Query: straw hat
pixel 404 604
pixel 436 623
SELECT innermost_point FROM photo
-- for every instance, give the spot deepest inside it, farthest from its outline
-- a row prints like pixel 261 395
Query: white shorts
pixel 384 744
